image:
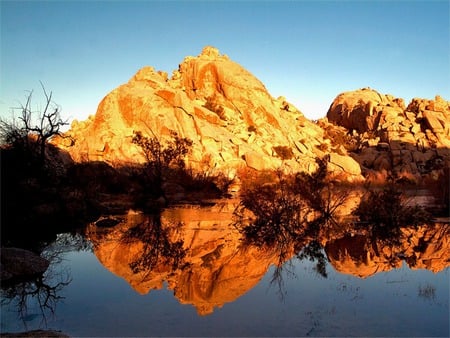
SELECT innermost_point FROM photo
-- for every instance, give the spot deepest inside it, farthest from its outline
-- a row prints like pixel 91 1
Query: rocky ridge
pixel 235 123
pixel 227 113
pixel 388 137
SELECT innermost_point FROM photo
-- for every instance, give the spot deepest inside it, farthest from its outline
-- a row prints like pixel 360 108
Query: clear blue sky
pixel 307 51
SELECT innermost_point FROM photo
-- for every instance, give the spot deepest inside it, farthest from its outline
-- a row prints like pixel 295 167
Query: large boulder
pixel 21 263
pixel 226 111
pixel 360 109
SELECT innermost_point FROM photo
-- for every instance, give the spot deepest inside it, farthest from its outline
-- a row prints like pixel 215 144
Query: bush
pixel 284 152
pixel 277 213
pixel 31 131
pixel 284 207
pixel 162 159
pixel 213 106
pixel 387 209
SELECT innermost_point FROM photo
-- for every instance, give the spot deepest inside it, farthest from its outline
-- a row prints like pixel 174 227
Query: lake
pixel 188 272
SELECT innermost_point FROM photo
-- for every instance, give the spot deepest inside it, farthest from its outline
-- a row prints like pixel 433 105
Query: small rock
pixel 17 263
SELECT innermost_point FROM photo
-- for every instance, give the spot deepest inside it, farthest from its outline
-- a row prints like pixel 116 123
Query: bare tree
pixel 33 129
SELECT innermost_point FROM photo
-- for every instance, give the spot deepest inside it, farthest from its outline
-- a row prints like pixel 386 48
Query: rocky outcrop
pixel 235 123
pixel 410 142
pixel 227 113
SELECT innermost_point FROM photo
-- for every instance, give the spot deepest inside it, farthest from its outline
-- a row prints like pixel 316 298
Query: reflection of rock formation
pixel 216 268
pixel 424 247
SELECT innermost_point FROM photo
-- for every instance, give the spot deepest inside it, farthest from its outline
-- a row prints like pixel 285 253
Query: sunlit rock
pixel 375 119
pixel 226 111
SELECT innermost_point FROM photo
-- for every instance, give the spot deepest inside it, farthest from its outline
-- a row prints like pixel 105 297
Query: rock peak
pixel 210 51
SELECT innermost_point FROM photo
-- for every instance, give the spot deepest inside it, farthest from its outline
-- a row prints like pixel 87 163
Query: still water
pixel 194 276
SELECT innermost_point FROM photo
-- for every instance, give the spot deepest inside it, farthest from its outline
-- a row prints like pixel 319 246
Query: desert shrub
pixel 212 105
pixel 162 159
pixel 387 209
pixel 277 213
pixel 159 155
pixel 320 193
pixel 30 133
pixel 285 206
pixel 440 189
pixel 284 152
pixel 165 164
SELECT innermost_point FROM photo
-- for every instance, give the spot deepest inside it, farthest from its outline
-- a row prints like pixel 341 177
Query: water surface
pixel 188 273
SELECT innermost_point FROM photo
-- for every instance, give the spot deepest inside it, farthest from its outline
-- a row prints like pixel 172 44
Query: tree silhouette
pixel 32 130
pixel 162 159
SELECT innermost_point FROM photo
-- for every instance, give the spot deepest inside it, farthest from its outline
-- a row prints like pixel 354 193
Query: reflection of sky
pixel 308 51
pixel 386 304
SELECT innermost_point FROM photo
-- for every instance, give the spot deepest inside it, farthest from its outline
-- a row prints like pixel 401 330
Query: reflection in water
pixel 206 262
pixel 364 254
pixel 212 266
pixel 427 291
pixel 36 297
pixel 42 292
pixel 157 248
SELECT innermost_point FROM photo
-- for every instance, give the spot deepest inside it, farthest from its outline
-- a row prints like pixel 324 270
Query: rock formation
pixel 409 142
pixel 235 123
pixel 227 113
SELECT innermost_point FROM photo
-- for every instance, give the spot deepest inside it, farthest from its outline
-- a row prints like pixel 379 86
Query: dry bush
pixel 387 209
pixel 284 152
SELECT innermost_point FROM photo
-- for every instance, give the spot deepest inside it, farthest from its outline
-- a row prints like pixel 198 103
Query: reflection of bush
pixel 284 207
pixel 277 212
pixel 428 291
pixel 158 248
pixel 38 294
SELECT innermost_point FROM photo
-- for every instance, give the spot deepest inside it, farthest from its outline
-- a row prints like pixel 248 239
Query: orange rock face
pixel 226 111
pixel 410 142
pixel 235 123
